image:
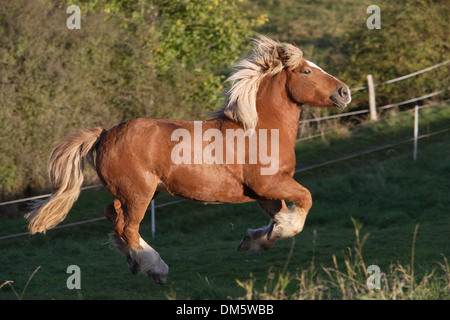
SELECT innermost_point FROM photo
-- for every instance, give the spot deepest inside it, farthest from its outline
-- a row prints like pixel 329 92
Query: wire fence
pixel 406 76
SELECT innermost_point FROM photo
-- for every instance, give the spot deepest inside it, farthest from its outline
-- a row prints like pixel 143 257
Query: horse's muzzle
pixel 342 97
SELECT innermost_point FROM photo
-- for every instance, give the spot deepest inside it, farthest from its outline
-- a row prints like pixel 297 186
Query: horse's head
pixel 307 83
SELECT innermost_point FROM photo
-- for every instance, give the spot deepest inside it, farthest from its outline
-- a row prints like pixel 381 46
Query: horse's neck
pixel 275 108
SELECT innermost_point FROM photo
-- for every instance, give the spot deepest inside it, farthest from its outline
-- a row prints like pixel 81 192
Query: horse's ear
pixel 295 45
pixel 281 53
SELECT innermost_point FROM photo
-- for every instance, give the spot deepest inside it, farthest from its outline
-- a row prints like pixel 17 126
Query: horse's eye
pixel 307 72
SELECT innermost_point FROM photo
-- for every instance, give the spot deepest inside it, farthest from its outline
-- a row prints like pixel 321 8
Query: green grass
pixel 386 194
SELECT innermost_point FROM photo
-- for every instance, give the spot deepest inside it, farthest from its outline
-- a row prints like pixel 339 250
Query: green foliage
pixel 212 32
pixel 53 81
pixel 201 37
pixel 192 42
pixel 413 36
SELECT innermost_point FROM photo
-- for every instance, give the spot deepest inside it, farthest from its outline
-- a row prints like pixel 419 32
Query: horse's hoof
pixel 254 241
pixel 158 278
pixel 133 265
pixel 269 233
pixel 245 243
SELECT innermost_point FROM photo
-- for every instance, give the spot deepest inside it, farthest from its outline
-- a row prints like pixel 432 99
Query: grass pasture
pixel 381 208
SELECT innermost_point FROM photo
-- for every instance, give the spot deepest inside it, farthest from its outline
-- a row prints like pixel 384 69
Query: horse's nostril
pixel 343 92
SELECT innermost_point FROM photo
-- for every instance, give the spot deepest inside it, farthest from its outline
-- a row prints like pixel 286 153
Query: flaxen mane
pixel 265 60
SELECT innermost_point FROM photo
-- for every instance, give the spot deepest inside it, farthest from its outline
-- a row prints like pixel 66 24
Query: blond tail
pixel 66 176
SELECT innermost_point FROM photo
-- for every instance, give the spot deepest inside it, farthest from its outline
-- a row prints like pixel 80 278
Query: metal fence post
pixel 152 205
pixel 416 130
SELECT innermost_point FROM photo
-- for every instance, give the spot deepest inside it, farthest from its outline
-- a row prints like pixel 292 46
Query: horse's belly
pixel 216 186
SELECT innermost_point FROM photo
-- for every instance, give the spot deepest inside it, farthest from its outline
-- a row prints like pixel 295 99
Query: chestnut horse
pixel 138 158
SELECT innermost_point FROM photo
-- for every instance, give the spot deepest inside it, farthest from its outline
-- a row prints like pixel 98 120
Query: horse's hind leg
pixel 126 218
pixel 114 213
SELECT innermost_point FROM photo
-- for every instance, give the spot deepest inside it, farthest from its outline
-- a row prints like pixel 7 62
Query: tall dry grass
pixel 348 279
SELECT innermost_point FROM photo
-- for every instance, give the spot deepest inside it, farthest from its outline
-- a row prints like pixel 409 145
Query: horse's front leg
pixel 286 222
pixel 258 239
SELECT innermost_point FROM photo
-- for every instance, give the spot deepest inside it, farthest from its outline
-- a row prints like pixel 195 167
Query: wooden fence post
pixel 372 103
